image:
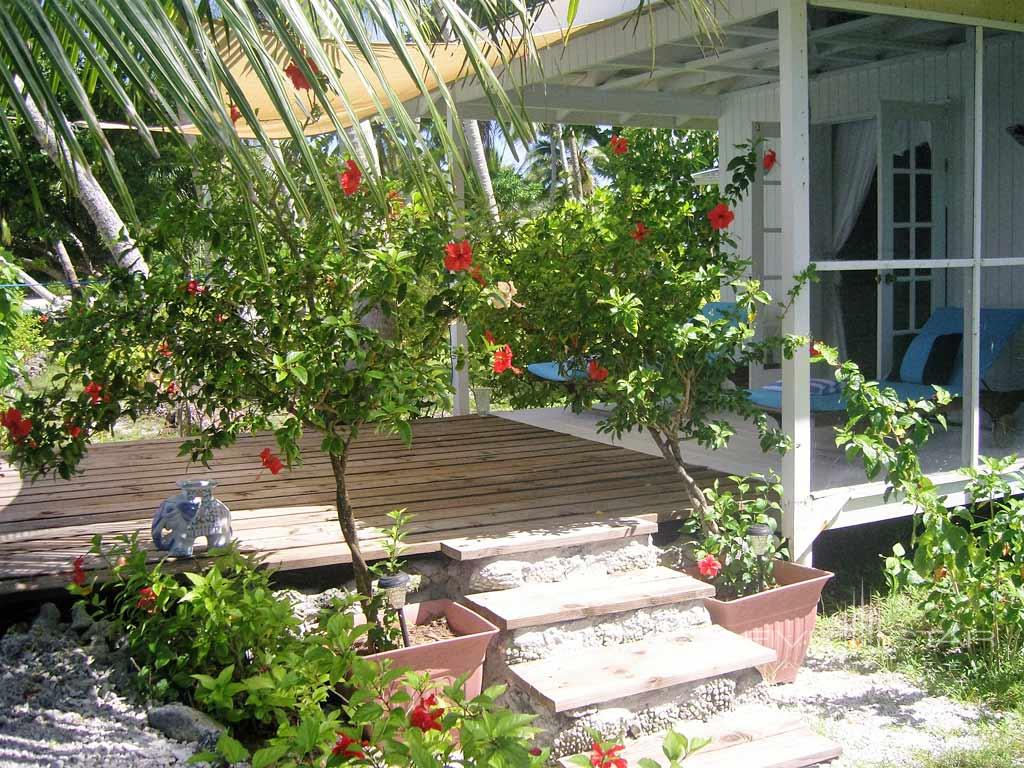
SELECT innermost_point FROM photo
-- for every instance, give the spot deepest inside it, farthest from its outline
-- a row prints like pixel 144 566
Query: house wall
pixel 942 77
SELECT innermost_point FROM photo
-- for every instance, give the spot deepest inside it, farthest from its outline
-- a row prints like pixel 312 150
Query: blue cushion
pixel 557 372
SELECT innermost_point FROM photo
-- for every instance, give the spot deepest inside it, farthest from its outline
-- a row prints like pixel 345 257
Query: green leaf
pixel 269 755
pixel 231 749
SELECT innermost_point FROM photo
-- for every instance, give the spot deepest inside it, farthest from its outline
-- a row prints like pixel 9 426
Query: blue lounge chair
pixel 998 327
pixel 575 370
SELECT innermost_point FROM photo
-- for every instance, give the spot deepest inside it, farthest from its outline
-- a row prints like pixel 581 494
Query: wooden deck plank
pixel 465 477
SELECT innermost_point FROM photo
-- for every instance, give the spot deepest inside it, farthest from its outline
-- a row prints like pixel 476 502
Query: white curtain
pixel 854 160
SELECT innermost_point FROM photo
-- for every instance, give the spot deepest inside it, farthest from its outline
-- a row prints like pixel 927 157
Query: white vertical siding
pixel 943 77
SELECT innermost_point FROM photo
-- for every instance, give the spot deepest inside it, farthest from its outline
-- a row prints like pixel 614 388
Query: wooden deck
pixel 462 477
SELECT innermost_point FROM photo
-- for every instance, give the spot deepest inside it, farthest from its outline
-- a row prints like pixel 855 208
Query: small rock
pixel 501 574
pixel 183 723
pixel 49 616
pixel 98 629
pixel 80 618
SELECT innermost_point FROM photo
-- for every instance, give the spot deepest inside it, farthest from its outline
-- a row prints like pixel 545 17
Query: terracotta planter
pixel 781 619
pixel 445 660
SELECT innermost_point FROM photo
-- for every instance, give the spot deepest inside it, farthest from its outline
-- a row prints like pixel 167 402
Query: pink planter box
pixel 781 619
pixel 445 660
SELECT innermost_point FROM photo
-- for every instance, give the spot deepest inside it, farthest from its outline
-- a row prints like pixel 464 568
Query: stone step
pixel 608 673
pixel 536 605
pixel 751 736
pixel 517 539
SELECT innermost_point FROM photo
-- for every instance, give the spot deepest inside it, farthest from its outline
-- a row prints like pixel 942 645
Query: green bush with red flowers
pixel 223 641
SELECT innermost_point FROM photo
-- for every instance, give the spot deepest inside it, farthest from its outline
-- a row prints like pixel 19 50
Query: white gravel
pixel 58 709
pixel 878 717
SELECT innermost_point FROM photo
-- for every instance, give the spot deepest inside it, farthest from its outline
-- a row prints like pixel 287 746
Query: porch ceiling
pixel 680 81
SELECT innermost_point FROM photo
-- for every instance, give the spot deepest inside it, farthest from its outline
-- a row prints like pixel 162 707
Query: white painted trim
pixel 575 98
pixel 884 9
pixel 794 96
pixel 971 433
pixel 458 336
pixel 871 265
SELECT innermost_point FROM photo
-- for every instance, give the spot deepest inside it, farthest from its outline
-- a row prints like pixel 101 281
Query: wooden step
pixel 751 736
pixel 515 539
pixel 537 604
pixel 596 675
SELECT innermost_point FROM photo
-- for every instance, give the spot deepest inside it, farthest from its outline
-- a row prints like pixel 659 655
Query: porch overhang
pixel 997 14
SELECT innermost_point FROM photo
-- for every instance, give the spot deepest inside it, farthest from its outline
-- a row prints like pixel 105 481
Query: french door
pixel 912 168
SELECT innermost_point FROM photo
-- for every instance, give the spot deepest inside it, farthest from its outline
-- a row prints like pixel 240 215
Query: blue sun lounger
pixel 576 370
pixel 936 345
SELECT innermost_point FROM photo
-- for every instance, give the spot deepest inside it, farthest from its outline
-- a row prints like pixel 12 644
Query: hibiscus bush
pixel 223 641
pixel 329 324
pixel 612 288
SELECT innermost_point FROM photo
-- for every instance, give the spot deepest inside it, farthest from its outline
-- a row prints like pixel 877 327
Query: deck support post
pixel 458 333
pixel 794 95
pixel 974 119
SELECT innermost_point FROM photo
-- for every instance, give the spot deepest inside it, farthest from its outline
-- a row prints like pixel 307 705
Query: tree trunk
pixel 556 142
pixel 67 267
pixel 478 154
pixel 574 166
pixel 34 285
pixel 693 491
pixel 108 221
pixel 347 521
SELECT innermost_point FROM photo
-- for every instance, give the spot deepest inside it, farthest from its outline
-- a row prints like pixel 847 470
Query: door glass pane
pixel 923 306
pixel 901 243
pixel 901 197
pixel 901 306
pixel 922 243
pixel 923 155
pixel 923 197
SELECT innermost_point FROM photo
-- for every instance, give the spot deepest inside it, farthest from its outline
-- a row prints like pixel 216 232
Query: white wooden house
pixel 898 176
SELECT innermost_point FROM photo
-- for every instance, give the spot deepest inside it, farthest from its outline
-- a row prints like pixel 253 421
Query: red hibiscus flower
pixel 489 338
pixel 458 256
pixel 607 758
pixel 78 571
pixel 147 600
pixel 709 566
pixel 236 114
pixel 619 145
pixel 503 361
pixel 349 180
pixel 74 430
pixel 639 231
pixel 219 318
pixel 474 272
pixel 195 288
pixel 343 747
pixel 815 352
pixel 164 350
pixel 18 427
pixel 172 388
pixel 596 371
pixel 536 751
pixel 271 461
pixel 426 714
pixel 769 160
pixel 299 80
pixel 44 319
pixel 92 389
pixel 720 216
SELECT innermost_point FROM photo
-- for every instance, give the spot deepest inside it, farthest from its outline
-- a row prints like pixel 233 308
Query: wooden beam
pixel 637 102
pixel 994 14
pixel 794 97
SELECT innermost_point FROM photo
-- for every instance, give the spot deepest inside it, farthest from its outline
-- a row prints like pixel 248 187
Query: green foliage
pixel 12 322
pixel 222 640
pixel 722 532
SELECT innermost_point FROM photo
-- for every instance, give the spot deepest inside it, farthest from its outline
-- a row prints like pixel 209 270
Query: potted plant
pixel 327 322
pixel 758 593
pixel 442 638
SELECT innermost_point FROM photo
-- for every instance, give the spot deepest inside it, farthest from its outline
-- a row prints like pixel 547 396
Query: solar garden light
pixel 759 538
pixel 395 588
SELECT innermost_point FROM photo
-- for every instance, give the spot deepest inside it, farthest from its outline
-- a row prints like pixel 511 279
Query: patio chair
pixel 933 357
pixel 571 371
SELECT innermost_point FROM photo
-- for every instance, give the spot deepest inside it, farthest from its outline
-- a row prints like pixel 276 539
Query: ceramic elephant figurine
pixel 191 514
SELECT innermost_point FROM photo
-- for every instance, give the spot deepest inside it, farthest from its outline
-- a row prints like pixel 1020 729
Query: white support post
pixel 458 333
pixel 972 299
pixel 796 249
